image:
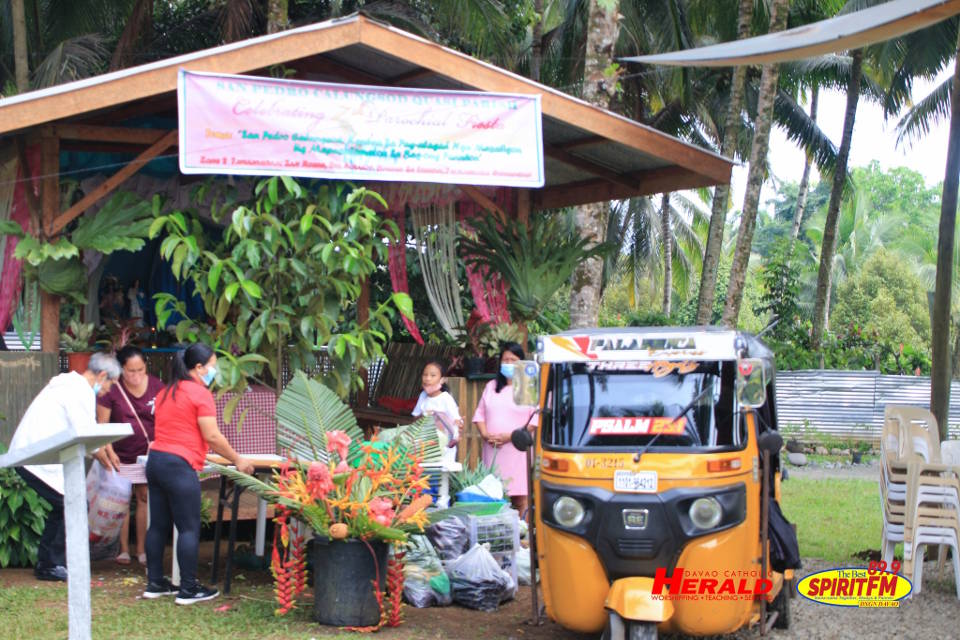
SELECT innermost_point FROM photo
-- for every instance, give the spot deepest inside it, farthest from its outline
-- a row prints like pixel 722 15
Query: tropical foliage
pixel 534 258
pixel 22 516
pixel 56 264
pixel 280 278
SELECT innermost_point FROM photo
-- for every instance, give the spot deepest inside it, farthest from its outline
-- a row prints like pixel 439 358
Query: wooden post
pixel 363 317
pixel 49 209
pixel 523 205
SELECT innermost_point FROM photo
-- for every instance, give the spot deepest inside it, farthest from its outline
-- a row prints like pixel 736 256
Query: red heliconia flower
pixel 381 510
pixel 338 442
pixel 319 481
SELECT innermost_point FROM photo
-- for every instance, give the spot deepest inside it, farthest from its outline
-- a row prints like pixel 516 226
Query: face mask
pixel 209 375
pixel 432 388
pixel 506 370
pixel 96 388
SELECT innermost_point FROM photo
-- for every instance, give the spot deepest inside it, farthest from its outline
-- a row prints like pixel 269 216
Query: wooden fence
pixel 22 375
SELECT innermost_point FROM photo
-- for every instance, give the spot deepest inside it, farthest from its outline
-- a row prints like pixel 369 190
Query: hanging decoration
pixel 14 207
pixel 435 230
pixel 489 290
pixel 397 262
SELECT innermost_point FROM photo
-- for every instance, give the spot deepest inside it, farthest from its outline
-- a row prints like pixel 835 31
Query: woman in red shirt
pixel 185 429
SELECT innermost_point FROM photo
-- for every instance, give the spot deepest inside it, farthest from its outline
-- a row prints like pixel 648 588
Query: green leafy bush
pixel 22 516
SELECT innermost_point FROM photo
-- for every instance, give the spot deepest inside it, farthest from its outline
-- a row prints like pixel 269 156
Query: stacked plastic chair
pixel 920 494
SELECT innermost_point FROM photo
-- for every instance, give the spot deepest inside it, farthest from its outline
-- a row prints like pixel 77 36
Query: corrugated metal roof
pixel 850 404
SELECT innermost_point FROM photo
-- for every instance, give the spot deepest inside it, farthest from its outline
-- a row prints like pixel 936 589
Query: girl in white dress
pixel 435 400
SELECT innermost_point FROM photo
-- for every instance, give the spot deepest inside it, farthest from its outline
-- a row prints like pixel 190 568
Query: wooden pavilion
pixel 590 154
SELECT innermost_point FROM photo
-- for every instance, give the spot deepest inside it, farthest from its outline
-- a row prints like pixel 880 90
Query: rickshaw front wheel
pixel 620 629
pixel 642 631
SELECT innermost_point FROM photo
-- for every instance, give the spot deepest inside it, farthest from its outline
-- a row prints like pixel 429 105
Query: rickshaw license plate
pixel 635 481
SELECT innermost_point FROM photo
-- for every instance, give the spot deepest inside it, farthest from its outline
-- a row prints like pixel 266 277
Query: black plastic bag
pixel 784 548
pixel 450 537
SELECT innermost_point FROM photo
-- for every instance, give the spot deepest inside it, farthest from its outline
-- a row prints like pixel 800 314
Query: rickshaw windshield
pixel 624 405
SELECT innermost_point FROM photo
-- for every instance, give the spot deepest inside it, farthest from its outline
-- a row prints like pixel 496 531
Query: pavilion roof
pixel 590 154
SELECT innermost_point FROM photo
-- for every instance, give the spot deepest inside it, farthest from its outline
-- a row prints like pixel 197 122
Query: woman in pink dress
pixel 496 417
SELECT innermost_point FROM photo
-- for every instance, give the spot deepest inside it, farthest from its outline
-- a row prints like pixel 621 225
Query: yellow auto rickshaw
pixel 656 461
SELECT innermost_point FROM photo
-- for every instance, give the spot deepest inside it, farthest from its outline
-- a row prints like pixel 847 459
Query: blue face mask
pixel 209 375
pixel 506 370
pixel 96 388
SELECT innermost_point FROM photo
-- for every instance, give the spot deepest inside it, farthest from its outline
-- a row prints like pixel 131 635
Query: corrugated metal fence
pixel 849 404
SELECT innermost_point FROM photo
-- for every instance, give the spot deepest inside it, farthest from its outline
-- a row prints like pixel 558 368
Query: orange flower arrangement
pixel 378 495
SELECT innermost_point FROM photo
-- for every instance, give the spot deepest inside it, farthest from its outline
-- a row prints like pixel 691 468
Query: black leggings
pixel 52 548
pixel 174 500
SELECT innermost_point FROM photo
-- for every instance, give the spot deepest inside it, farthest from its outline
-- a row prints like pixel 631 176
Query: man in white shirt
pixel 68 400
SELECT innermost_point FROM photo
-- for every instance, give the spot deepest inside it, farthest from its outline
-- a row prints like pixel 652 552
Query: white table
pixel 69 447
pixel 261 531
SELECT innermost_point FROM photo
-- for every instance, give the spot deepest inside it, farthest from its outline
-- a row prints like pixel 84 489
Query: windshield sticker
pixel 659 368
pixel 616 346
pixel 637 426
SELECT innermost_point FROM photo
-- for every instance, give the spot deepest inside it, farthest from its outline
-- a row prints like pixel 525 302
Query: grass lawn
pixel 835 518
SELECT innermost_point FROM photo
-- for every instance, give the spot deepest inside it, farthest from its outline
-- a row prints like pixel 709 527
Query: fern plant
pixel 534 258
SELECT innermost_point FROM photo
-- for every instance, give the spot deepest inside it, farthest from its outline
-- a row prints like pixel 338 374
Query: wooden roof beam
pixel 325 66
pixel 168 140
pixel 599 190
pixel 98 133
pixel 589 141
pixel 589 167
pixel 416 74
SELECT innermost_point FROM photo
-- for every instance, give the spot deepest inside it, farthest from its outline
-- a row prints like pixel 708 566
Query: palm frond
pixel 418 437
pixel 306 411
pixel 804 131
pixel 73 59
pixel 925 114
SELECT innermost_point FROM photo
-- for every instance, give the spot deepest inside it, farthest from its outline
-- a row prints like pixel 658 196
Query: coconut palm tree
pixel 661 243
pixel 758 155
pixel 603 30
pixel 923 55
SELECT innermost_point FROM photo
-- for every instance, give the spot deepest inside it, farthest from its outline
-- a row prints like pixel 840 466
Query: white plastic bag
pixel 478 582
pixel 490 487
pixel 109 498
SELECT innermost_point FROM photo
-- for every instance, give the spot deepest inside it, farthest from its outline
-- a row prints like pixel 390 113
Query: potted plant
pixel 357 497
pixel 498 335
pixel 475 357
pixel 535 258
pixel 77 341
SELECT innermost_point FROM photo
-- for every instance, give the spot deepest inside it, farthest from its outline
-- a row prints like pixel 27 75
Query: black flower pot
pixel 473 368
pixel 344 574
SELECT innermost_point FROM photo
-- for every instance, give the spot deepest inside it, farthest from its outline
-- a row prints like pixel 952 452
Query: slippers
pixel 123 558
pixel 142 559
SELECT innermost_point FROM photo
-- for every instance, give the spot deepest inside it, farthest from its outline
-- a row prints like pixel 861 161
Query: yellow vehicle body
pixel 578 591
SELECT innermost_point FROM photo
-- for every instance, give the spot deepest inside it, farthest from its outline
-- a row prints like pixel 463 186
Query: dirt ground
pixel 931 614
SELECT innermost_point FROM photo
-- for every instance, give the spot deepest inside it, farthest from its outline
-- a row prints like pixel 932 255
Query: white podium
pixel 69 448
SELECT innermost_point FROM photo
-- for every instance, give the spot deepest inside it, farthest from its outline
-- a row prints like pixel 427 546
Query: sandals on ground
pixel 123 558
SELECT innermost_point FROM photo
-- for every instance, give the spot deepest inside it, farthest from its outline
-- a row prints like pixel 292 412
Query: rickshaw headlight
pixel 706 513
pixel 568 512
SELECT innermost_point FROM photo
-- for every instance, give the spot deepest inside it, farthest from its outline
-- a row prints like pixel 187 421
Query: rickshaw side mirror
pixel 521 438
pixel 526 383
pixel 770 441
pixel 751 382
